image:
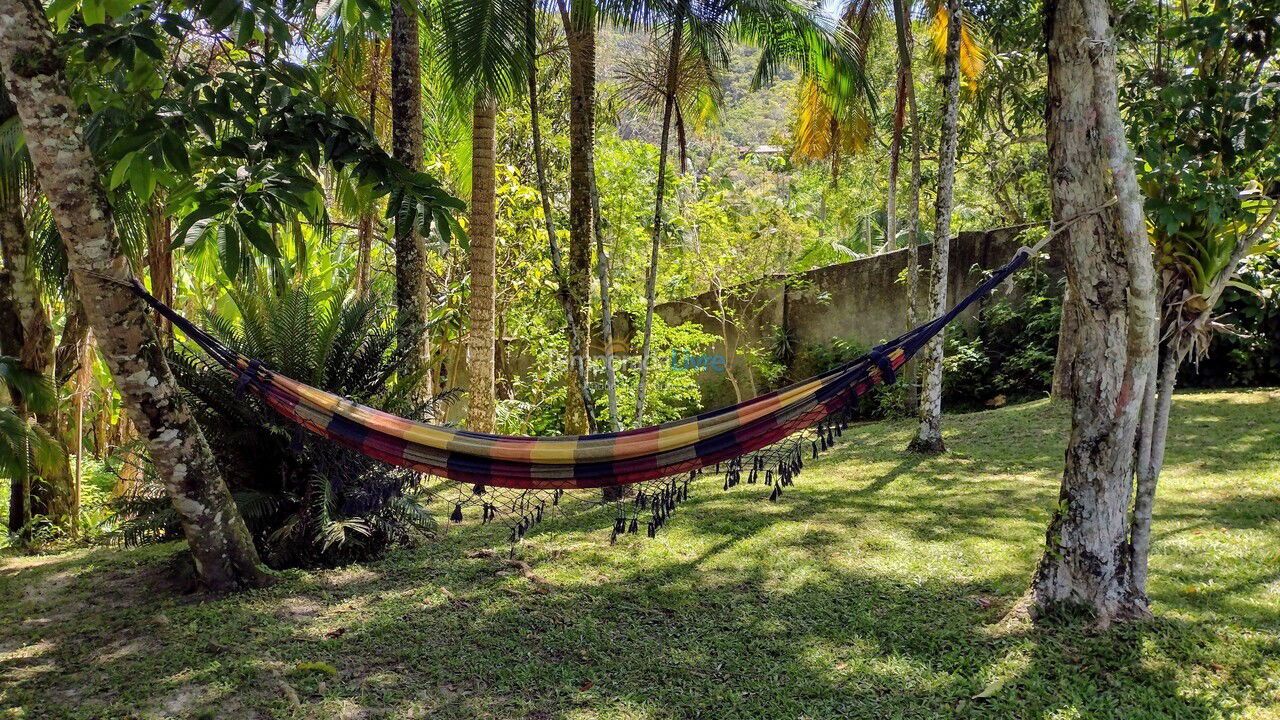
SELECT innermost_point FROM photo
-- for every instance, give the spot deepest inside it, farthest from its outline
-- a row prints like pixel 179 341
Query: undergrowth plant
pixel 307 501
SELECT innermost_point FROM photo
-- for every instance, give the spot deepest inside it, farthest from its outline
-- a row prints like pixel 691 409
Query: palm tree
pixel 579 19
pixel 406 146
pixel 784 31
pixel 484 45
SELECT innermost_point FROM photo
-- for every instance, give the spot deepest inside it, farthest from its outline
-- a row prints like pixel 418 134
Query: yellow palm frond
pixel 819 131
pixel 973 55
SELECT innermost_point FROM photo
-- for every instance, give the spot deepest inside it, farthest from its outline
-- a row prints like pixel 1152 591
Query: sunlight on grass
pixel 875 588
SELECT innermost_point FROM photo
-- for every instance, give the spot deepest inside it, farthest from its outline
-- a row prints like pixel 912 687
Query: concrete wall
pixel 860 301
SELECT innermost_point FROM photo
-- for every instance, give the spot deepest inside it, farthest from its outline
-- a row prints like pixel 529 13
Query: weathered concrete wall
pixel 862 301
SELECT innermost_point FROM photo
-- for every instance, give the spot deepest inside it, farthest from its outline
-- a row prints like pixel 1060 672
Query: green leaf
pixel 141 178
pixel 94 12
pixel 118 8
pixel 229 249
pixel 257 236
pixel 175 153
pixel 120 172
pixel 60 12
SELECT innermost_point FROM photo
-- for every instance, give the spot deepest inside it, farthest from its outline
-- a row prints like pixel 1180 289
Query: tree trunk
pixel 1108 259
pixel 220 543
pixel 902 24
pixel 160 262
pixel 557 259
pixel 1061 388
pixel 928 437
pixel 412 336
pixel 606 310
pixel 480 341
pixel 580 32
pixel 895 153
pixel 367 222
pixel 28 334
pixel 75 334
pixel 651 278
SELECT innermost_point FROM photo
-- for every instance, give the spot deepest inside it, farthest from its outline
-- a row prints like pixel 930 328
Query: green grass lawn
pixel 875 589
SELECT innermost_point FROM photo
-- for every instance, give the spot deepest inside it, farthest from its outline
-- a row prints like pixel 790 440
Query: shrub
pixel 307 501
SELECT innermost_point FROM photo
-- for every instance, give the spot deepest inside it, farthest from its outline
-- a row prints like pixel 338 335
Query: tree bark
pixel 1061 388
pixel 160 262
pixel 902 25
pixel 220 543
pixel 412 336
pixel 928 437
pixel 28 334
pixel 651 278
pixel 544 194
pixel 480 340
pixel 367 222
pixel 1087 560
pixel 580 32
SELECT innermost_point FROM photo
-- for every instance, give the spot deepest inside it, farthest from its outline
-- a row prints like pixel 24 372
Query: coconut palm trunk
pixel 1088 559
pixel 928 437
pixel 651 279
pixel 406 146
pixel 480 336
pixel 220 543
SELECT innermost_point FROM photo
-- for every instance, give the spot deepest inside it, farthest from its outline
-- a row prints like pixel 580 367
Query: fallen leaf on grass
pixel 586 686
pixel 336 633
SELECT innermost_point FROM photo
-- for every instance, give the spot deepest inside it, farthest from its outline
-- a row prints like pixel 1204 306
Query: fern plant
pixel 307 501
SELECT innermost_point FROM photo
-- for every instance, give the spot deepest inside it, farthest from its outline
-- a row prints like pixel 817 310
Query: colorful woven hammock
pixel 589 461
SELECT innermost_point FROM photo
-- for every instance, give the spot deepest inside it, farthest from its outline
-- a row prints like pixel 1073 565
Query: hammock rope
pixel 759 441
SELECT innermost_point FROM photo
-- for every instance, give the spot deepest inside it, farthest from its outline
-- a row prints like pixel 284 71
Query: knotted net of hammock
pixel 763 441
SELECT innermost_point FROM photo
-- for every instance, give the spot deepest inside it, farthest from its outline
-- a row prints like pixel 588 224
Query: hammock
pixel 602 460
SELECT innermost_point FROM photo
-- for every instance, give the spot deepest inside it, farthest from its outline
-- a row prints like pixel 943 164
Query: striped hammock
pixel 585 461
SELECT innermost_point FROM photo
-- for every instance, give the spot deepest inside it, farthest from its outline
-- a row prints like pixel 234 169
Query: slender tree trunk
pixel 368 222
pixel 928 437
pixel 412 334
pixel 902 23
pixel 28 335
pixel 480 341
pixel 895 153
pixel 580 32
pixel 606 310
pixel 651 279
pixel 75 334
pixel 160 262
pixel 220 543
pixel 1087 561
pixel 575 333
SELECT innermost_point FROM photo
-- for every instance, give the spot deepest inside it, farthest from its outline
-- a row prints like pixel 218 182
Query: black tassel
pixel 457 514
pixel 768 477
pixel 635 524
pixel 652 530
pixel 815 451
pixel 555 497
pixel 777 492
pixel 477 489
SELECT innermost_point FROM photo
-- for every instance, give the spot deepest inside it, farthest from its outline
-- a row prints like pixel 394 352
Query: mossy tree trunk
pixel 580 31
pixel 1088 560
pixel 406 146
pixel 220 543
